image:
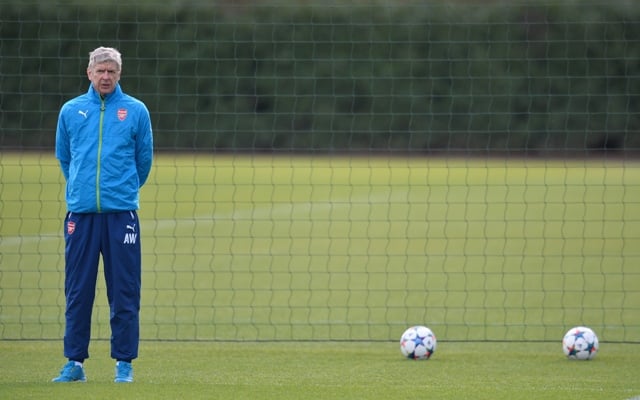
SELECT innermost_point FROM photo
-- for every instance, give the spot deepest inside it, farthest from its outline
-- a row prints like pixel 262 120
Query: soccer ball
pixel 580 343
pixel 418 343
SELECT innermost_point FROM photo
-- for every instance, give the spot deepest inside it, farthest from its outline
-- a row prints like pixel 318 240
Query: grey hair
pixel 105 54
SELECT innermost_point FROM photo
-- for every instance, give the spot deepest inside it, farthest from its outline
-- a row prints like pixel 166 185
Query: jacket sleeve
pixel 144 146
pixel 63 153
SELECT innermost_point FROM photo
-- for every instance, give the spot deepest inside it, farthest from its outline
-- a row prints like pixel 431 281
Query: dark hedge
pixel 521 79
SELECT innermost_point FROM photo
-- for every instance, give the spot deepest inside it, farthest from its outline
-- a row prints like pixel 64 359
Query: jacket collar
pixel 117 92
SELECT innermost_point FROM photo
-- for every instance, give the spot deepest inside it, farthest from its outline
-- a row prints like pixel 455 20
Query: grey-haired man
pixel 104 144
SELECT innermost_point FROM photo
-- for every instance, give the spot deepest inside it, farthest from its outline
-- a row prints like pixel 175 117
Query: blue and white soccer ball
pixel 580 343
pixel 418 343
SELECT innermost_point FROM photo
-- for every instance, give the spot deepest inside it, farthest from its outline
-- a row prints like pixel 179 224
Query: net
pixel 340 171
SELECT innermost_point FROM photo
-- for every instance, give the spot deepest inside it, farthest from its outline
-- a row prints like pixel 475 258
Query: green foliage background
pixel 521 77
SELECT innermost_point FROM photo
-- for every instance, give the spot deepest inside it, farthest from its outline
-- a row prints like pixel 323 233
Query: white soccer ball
pixel 580 343
pixel 418 343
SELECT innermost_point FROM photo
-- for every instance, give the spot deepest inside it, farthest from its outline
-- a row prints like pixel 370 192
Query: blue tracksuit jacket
pixel 96 139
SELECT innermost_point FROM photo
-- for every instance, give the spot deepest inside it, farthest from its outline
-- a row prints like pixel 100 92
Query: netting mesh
pixel 340 171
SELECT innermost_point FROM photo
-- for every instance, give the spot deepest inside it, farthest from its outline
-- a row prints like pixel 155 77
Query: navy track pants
pixel 115 236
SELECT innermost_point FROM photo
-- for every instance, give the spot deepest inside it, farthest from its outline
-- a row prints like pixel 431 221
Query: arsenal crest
pixel 71 227
pixel 122 114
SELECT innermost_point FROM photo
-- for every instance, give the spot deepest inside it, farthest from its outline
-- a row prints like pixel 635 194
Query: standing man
pixel 104 144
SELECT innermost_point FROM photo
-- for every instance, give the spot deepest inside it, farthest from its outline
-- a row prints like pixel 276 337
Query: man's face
pixel 104 76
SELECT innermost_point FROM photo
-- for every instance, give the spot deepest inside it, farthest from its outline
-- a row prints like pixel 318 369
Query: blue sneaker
pixel 124 372
pixel 71 373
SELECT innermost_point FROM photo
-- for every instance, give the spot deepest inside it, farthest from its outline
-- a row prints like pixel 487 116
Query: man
pixel 104 143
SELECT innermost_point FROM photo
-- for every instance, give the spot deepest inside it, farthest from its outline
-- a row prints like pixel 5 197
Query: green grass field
pixel 321 370
pixel 293 277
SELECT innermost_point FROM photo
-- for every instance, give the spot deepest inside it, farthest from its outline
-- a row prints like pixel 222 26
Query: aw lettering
pixel 130 238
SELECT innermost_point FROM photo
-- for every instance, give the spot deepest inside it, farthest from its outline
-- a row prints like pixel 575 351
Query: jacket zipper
pixel 102 108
